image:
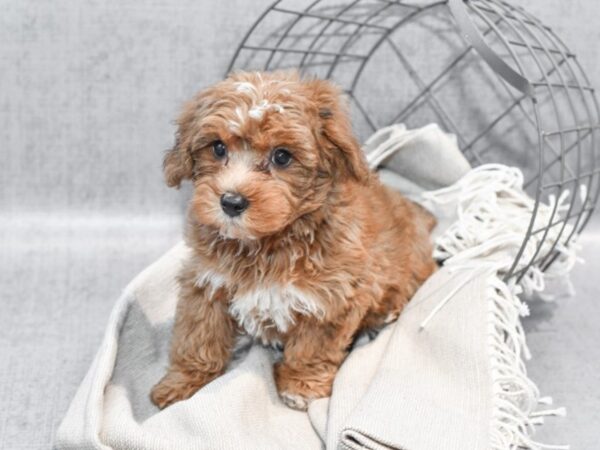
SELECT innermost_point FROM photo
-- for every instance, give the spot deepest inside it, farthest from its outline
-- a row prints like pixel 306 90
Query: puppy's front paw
pixel 176 386
pixel 298 389
pixel 295 401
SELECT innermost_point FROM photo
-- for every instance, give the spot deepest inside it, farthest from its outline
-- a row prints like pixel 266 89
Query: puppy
pixel 295 242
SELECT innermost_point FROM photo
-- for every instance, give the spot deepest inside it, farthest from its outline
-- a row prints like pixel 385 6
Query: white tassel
pixel 493 216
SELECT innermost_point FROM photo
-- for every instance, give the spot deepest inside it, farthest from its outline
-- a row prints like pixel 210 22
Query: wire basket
pixel 485 70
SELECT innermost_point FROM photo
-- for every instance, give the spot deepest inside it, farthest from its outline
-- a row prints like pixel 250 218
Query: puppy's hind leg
pixel 203 336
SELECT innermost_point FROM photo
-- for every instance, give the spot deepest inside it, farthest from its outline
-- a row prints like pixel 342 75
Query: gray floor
pixel 59 277
pixel 564 339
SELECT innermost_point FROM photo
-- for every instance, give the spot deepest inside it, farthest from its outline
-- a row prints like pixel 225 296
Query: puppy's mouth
pixel 233 229
pixel 233 232
pixel 247 217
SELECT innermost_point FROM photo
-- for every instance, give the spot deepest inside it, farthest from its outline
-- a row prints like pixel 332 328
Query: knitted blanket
pixel 449 373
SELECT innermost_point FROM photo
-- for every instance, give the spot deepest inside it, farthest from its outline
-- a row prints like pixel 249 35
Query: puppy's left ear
pixel 336 128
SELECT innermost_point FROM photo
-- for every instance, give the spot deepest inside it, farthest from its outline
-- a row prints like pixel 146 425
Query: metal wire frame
pixel 492 8
pixel 537 71
pixel 528 24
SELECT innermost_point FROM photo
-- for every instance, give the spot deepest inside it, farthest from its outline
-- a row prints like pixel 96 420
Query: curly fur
pixel 323 251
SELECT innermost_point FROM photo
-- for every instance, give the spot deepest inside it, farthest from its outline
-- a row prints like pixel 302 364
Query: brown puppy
pixel 295 241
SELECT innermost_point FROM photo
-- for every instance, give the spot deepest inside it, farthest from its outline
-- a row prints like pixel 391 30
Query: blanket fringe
pixel 493 216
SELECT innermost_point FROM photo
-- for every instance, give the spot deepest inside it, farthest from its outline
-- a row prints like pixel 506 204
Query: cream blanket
pixel 448 374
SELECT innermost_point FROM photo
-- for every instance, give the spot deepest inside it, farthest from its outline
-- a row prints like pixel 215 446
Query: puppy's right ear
pixel 178 164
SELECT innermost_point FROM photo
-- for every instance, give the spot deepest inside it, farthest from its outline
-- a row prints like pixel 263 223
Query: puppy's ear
pixel 336 128
pixel 178 164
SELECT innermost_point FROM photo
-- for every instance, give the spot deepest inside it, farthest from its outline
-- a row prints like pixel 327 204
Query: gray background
pixel 88 93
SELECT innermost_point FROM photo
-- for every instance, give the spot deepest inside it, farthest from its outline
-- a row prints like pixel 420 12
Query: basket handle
pixel 476 39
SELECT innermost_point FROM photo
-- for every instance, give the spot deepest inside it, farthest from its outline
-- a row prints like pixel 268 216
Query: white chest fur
pixel 270 306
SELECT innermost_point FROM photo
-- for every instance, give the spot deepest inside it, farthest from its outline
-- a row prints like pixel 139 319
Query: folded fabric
pixel 448 374
pixel 415 161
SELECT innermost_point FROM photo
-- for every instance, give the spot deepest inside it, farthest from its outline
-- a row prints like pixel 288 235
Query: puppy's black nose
pixel 233 204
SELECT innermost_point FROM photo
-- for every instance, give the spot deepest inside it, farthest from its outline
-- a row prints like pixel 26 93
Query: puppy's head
pixel 263 149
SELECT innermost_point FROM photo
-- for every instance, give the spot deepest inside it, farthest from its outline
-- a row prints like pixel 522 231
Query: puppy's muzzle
pixel 233 204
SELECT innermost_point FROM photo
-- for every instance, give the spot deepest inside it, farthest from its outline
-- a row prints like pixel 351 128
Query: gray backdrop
pixel 88 93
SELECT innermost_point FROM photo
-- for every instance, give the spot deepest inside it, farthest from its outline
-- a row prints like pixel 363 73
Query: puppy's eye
pixel 219 149
pixel 281 157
